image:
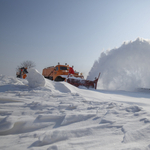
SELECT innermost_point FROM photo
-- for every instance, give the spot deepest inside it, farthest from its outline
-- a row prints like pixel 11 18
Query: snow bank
pixel 124 68
pixel 35 79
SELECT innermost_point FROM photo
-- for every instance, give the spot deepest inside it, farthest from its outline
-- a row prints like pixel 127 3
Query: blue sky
pixel 67 31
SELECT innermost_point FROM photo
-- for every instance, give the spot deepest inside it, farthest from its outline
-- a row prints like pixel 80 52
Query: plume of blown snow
pixel 124 68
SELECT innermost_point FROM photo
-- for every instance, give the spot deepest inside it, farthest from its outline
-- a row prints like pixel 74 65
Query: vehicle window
pixel 63 68
pixel 56 68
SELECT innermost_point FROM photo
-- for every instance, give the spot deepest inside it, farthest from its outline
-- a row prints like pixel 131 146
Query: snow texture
pixel 124 68
pixel 34 78
pixel 39 114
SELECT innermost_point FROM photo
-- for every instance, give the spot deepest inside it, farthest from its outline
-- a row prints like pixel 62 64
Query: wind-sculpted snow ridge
pixel 124 68
pixel 59 116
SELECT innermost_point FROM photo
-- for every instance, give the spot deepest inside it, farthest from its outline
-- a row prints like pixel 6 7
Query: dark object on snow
pixel 22 73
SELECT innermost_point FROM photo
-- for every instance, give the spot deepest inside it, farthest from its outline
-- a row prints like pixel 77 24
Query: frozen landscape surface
pixel 39 114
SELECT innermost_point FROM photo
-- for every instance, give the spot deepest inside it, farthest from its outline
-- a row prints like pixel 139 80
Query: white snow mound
pixel 35 79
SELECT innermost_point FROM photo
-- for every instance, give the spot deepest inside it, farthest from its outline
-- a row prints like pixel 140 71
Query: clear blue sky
pixel 72 31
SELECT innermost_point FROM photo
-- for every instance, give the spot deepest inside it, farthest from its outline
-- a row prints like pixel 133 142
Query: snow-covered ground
pixel 39 114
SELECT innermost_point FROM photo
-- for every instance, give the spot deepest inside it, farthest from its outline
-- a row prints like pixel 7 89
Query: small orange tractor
pixel 62 73
pixel 22 73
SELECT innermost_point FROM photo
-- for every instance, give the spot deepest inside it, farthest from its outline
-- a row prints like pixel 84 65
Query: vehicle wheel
pixel 59 78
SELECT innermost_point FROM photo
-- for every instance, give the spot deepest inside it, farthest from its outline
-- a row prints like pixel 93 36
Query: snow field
pixel 59 116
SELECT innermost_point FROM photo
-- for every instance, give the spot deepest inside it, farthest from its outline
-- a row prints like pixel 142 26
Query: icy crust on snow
pixel 59 116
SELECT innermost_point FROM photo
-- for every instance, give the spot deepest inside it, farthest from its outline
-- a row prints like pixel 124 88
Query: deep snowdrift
pixel 126 67
pixel 59 116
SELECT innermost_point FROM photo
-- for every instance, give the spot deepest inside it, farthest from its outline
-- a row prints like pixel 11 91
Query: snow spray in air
pixel 124 68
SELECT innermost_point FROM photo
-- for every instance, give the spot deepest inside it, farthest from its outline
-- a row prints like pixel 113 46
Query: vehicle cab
pixel 60 71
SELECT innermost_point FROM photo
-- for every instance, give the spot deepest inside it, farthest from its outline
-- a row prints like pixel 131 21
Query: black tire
pixel 50 78
pixel 59 78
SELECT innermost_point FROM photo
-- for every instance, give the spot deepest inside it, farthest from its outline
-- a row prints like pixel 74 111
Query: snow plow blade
pixel 82 82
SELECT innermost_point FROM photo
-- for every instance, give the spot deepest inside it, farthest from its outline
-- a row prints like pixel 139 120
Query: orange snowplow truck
pixel 59 72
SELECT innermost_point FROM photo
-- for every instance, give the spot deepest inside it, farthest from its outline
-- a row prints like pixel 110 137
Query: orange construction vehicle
pixel 22 73
pixel 66 73
pixel 59 72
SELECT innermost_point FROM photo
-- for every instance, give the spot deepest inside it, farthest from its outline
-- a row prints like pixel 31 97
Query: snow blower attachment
pixel 81 82
pixel 66 73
